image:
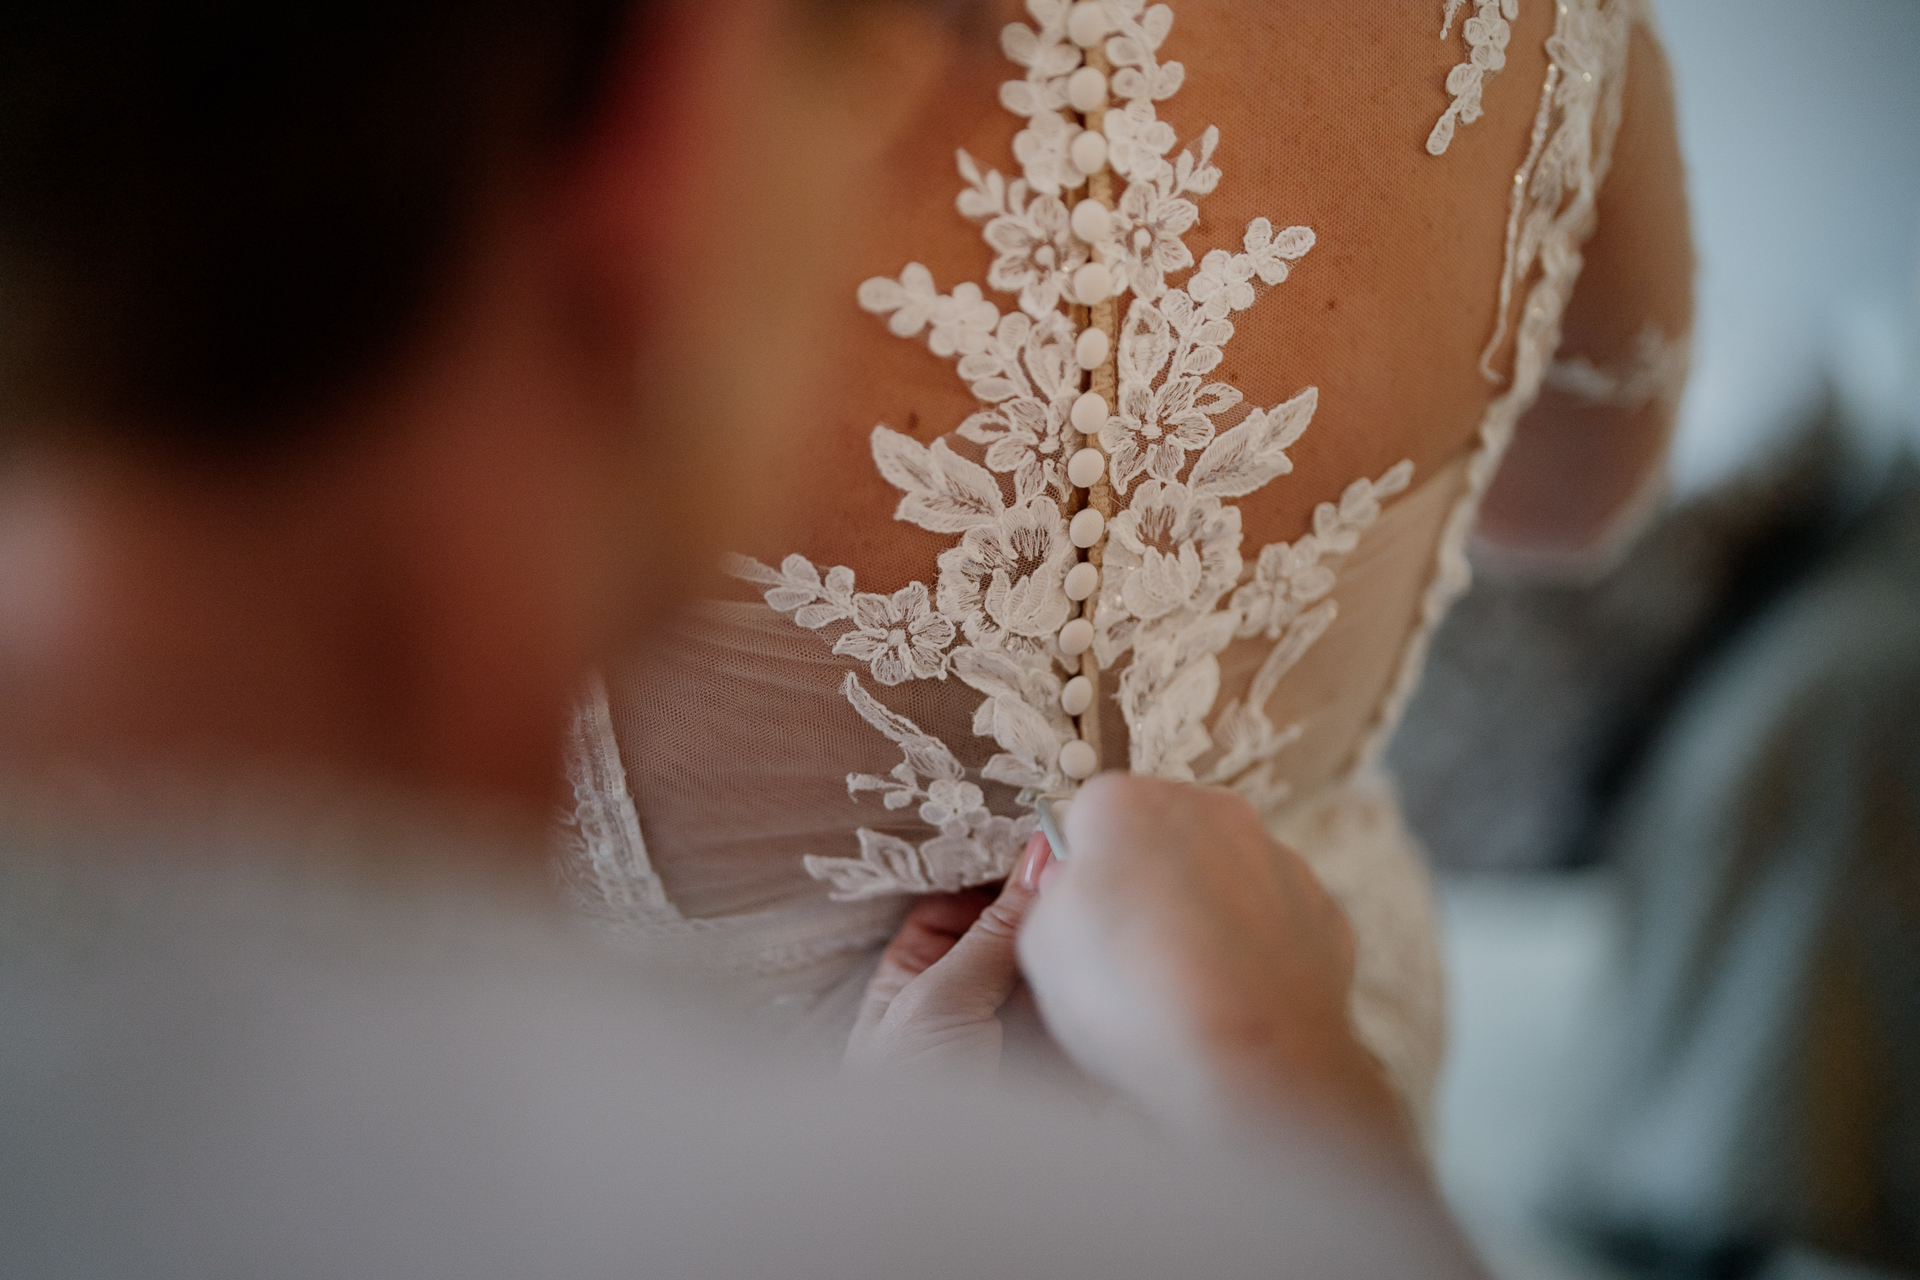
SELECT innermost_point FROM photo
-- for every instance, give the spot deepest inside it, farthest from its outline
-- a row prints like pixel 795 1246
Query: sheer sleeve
pixel 1584 470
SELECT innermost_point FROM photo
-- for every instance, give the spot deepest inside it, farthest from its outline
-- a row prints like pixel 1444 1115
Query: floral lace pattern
pixel 1487 34
pixel 1149 555
pixel 1654 369
pixel 1165 585
pixel 1177 447
pixel 1553 211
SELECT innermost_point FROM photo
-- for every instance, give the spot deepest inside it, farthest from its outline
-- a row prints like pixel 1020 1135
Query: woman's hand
pixel 933 1003
pixel 1180 956
pixel 1186 959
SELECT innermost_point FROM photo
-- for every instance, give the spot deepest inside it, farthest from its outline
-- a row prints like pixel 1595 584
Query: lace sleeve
pixel 1585 470
pixel 1654 372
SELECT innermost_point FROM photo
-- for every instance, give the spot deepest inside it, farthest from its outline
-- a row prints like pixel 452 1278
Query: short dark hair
pixel 216 214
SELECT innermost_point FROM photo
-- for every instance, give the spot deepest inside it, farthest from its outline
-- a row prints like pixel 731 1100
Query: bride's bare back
pixel 1161 455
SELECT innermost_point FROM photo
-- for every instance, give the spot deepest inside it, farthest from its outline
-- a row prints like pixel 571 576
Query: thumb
pixel 975 978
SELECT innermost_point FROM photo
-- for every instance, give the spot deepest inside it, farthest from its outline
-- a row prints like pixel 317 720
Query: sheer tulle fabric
pixel 764 792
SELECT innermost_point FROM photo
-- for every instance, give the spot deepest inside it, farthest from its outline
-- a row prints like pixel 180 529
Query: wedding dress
pixel 1193 505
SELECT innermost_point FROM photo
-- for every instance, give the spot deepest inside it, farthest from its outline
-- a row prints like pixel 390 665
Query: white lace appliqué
pixel 1655 369
pixel 1176 448
pixel 1553 209
pixel 1487 34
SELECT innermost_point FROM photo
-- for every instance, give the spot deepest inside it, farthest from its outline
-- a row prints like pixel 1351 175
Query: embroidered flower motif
pixel 1148 230
pixel 1223 284
pixel 1171 550
pixel 1138 141
pixel 1487 33
pixel 1139 31
pixel 1287 577
pixel 911 299
pixel 953 807
pixel 1038 254
pixel 1273 255
pixel 1006 581
pixel 1049 57
pixel 1045 152
pixel 1155 428
pixel 1024 437
pixel 900 635
pixel 1029 367
pixel 962 323
pixel 975 852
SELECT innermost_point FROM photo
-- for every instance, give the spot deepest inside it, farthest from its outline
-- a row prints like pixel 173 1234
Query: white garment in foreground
pixel 231 1067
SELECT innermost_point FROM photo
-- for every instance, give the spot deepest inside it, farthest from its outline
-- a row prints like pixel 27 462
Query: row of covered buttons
pixel 1087 24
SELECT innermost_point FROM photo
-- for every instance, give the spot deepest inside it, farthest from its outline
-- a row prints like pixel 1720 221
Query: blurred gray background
pixel 1801 124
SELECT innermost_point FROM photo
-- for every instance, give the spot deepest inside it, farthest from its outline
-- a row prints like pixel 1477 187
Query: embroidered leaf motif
pixel 974 846
pixel 1170 732
pixel 887 865
pixel 926 754
pixel 1145 344
pixel 1250 455
pixel 1273 256
pixel 1249 739
pixel 945 493
pixel 796 587
pixel 1022 714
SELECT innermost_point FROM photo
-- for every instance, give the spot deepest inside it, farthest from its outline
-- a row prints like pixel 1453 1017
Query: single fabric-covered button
pixel 1078 760
pixel 1089 152
pixel 1087 527
pixel 1076 637
pixel 1087 23
pixel 1093 284
pixel 1092 348
pixel 1086 466
pixel 1082 581
pixel 1077 697
pixel 1092 221
pixel 1089 413
pixel 1087 89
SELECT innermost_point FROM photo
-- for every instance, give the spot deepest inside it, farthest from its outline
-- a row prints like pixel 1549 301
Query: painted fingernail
pixel 1033 863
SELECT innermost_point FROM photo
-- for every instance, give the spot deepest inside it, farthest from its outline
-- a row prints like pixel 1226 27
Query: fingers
pixel 980 971
pixel 1121 815
pixel 944 976
pixel 929 932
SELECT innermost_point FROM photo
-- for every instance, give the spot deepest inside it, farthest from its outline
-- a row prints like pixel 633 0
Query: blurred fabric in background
pixel 1675 804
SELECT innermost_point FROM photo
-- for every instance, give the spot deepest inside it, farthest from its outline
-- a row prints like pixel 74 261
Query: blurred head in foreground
pixel 367 369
